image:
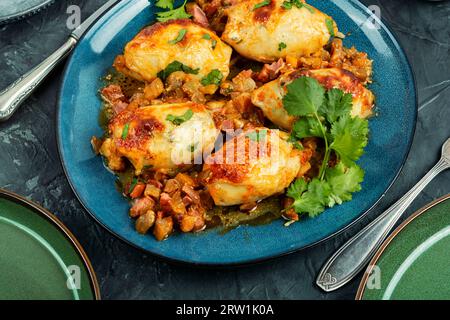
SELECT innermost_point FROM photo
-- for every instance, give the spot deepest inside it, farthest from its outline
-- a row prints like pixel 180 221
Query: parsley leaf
pixel 214 77
pixel 177 120
pixel 262 4
pixel 350 137
pixel 179 13
pixel 282 46
pixel 174 67
pixel 305 96
pixel 179 38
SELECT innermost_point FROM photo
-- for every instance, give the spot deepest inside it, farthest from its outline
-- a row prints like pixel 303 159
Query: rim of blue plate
pixel 52 219
pixel 403 55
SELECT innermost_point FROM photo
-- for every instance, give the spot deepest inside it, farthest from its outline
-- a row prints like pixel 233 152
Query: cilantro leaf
pixel 177 120
pixel 179 38
pixel 214 77
pixel 282 46
pixel 344 181
pixel 297 188
pixel 315 199
pixel 337 104
pixel 307 127
pixel 165 4
pixel 174 67
pixel 337 188
pixel 350 136
pixel 179 13
pixel 304 97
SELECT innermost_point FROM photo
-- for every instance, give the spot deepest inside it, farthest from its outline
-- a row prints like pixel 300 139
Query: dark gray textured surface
pixel 29 165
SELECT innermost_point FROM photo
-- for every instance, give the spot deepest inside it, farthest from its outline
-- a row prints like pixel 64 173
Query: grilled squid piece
pixel 164 138
pixel 268 31
pixel 252 166
pixel 159 45
pixel 269 97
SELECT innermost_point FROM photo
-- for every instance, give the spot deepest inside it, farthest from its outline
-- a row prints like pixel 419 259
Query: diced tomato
pixel 137 191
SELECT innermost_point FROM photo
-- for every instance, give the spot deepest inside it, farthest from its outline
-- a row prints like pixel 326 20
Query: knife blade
pixel 14 95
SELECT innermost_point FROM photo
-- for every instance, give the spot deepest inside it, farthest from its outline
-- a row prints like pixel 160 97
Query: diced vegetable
pixel 145 222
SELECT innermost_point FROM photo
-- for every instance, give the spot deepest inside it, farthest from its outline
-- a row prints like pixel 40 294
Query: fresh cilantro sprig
pixel 326 115
pixel 340 183
pixel 172 13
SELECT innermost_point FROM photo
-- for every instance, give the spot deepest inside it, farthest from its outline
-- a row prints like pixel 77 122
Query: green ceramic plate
pixel 39 258
pixel 414 262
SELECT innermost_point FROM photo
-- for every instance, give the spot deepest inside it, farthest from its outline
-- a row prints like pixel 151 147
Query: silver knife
pixel 14 95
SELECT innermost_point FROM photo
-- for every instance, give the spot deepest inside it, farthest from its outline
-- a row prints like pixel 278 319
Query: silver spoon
pixel 353 256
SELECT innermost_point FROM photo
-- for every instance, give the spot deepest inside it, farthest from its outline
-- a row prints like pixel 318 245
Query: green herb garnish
pixel 177 120
pixel 214 77
pixel 326 115
pixel 282 46
pixel 262 4
pixel 291 3
pixel 174 67
pixel 257 136
pixel 126 128
pixel 213 41
pixel 179 13
pixel 179 38
pixel 165 4
pixel 330 26
pixel 133 184
pixel 193 147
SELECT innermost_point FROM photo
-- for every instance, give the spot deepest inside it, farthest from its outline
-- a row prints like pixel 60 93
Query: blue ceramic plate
pixel 79 106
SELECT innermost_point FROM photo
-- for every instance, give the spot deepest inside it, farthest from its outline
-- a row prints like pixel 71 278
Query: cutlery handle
pixel 13 96
pixel 354 255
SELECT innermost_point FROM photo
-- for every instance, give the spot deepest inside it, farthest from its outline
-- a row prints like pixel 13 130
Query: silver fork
pixel 354 255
